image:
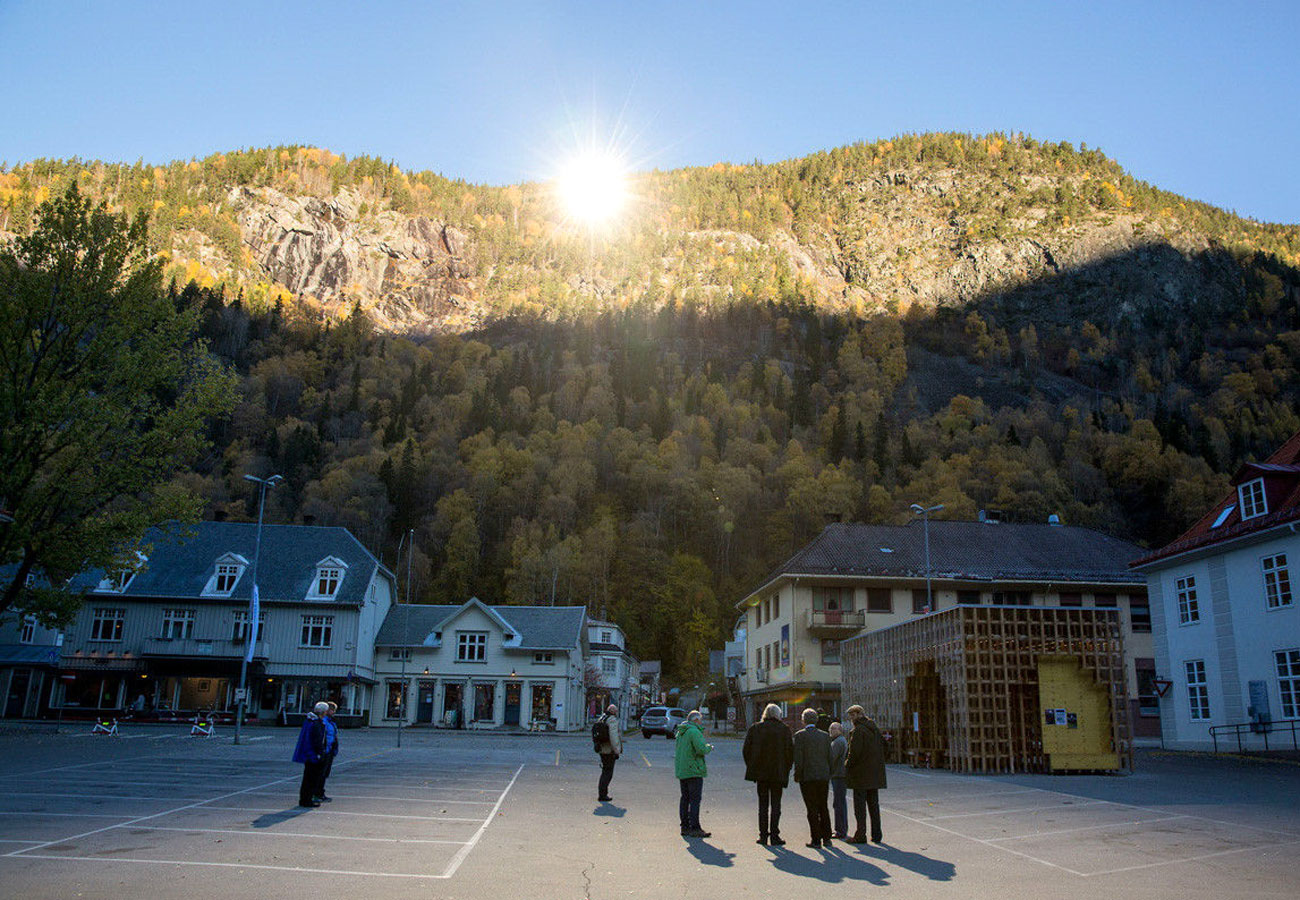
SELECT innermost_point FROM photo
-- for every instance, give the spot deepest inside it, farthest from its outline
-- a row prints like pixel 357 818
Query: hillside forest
pixel 647 422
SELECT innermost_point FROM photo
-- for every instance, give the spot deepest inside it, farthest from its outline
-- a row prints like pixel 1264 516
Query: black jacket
pixel 812 755
pixel 769 752
pixel 864 767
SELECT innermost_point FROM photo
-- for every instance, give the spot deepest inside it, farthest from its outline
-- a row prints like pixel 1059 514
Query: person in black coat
pixel 769 753
pixel 812 769
pixel 864 774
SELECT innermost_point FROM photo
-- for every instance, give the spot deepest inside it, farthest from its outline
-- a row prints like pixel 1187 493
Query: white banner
pixel 254 611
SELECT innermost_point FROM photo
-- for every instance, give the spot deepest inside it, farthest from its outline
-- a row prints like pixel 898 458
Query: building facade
pixel 479 666
pixel 1224 616
pixel 612 672
pixel 29 665
pixel 858 578
pixel 166 637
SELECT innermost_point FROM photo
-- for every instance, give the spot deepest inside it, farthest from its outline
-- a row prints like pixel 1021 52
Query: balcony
pixel 835 623
pixel 216 648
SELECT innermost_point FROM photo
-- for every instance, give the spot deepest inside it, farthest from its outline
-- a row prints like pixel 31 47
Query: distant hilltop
pixel 918 221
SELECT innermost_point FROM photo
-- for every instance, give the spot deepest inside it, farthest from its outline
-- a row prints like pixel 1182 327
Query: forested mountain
pixel 648 421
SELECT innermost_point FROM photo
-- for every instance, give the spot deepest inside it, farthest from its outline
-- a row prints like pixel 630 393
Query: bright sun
pixel 593 187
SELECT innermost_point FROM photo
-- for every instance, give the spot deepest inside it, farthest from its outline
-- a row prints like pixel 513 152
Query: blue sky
pixel 1198 98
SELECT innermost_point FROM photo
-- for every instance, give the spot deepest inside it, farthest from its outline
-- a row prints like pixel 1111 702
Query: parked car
pixel 662 720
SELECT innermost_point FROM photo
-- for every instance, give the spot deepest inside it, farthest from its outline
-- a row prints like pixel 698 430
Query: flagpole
pixel 254 608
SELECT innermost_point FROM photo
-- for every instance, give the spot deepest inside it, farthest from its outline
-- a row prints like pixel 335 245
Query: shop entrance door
pixel 424 709
pixel 514 689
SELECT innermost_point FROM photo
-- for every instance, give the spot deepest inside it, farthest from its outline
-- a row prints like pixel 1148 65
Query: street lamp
pixel 924 513
pixel 409 540
pixel 250 633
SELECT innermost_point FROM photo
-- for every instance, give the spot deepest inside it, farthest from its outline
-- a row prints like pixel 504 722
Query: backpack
pixel 600 733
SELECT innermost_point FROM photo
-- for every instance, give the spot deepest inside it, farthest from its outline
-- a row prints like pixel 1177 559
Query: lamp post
pixel 924 513
pixel 409 540
pixel 250 632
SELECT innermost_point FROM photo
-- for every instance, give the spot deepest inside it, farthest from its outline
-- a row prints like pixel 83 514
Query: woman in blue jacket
pixel 311 752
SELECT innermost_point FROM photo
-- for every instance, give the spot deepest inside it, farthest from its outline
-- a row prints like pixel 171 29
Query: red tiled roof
pixel 1284 463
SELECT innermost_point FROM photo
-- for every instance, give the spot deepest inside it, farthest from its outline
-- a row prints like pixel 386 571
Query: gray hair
pixel 321 708
pixel 836 729
pixel 694 716
pixel 809 716
pixel 772 711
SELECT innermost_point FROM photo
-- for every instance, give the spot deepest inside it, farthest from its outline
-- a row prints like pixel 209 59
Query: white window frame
pixel 177 624
pixel 1254 501
pixel 544 657
pixel 239 633
pixel 110 619
pixel 317 632
pixel 471 646
pixel 400 653
pixel 1288 680
pixel 1198 690
pixel 27 630
pixel 1277 581
pixel 607 637
pixel 1189 607
pixel 328 581
pixel 608 665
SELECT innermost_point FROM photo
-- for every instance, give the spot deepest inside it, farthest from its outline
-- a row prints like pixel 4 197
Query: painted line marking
pixel 999 812
pixel 557 757
pixel 643 759
pixel 1165 812
pixel 464 851
pixel 227 865
pixel 100 763
pixel 1170 862
pixel 987 843
pixel 340 812
pixel 24 812
pixel 82 796
pixel 1022 837
pixel 165 812
pixel 295 834
pixel 950 798
pixel 359 797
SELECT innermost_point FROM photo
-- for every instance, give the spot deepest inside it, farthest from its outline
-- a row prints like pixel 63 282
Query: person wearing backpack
pixel 607 740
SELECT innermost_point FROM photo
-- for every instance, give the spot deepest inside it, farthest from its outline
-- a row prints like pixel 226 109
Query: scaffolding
pixel 960 688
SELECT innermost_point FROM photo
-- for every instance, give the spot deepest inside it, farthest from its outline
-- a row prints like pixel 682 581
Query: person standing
pixel 331 749
pixel 769 753
pixel 864 773
pixel 609 749
pixel 691 771
pixel 812 771
pixel 839 791
pixel 310 751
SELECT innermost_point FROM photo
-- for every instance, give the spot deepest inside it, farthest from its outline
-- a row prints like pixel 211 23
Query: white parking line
pixel 464 851
pixel 1021 837
pixel 297 834
pixel 1170 862
pixel 83 796
pixel 361 797
pixel 951 797
pixel 998 812
pixel 43 813
pixel 224 865
pixel 158 814
pixel 985 843
pixel 343 812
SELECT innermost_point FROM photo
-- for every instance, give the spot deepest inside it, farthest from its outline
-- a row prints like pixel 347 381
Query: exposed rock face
pixel 407 272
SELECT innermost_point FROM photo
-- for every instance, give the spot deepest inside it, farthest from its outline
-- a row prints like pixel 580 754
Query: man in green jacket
pixel 691 771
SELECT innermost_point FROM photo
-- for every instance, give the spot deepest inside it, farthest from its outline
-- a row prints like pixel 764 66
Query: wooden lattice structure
pixel 959 688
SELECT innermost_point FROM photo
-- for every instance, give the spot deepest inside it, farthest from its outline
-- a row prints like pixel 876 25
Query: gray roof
pixel 977 551
pixel 183 558
pixel 538 627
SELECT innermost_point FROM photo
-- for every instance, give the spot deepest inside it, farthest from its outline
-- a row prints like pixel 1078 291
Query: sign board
pixel 1162 686
pixel 916 721
pixel 241 695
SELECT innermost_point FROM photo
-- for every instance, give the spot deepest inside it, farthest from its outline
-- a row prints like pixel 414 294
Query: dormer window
pixel 1253 501
pixel 328 579
pixel 225 576
pixel 118 580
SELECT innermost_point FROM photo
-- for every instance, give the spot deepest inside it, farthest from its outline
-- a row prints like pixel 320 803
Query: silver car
pixel 662 720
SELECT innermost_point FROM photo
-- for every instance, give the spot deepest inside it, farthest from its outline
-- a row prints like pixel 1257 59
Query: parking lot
pixel 153 812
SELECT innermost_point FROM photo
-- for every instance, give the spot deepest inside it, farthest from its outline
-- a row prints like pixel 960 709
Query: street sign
pixel 241 695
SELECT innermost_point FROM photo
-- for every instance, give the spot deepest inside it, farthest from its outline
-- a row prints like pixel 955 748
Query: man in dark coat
pixel 312 751
pixel 864 774
pixel 769 753
pixel 812 770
